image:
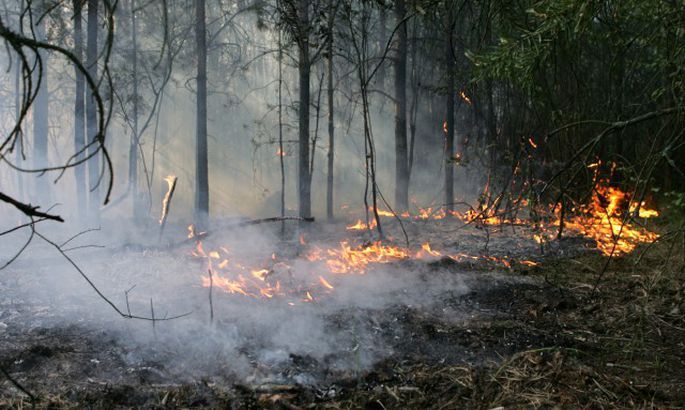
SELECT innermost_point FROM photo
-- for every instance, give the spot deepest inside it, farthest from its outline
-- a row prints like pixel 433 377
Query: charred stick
pixel 273 219
pixel 152 314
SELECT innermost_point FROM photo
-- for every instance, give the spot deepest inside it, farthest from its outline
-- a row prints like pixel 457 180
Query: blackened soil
pixel 78 365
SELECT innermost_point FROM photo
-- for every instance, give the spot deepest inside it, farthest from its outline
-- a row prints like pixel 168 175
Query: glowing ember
pixel 465 97
pixel 325 283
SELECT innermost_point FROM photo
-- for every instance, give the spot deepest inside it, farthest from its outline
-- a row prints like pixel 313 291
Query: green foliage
pixel 641 41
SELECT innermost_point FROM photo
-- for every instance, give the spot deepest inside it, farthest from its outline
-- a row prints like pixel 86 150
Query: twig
pixel 77 235
pixel 28 209
pixel 97 290
pixel 211 304
pixel 19 386
pixel 152 314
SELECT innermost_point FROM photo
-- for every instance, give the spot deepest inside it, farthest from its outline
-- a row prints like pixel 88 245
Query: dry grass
pixel 622 347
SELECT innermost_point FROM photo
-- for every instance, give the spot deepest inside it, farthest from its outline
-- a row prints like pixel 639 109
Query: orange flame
pixel 465 97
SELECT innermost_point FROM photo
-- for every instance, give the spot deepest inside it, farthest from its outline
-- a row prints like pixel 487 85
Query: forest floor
pixel 530 336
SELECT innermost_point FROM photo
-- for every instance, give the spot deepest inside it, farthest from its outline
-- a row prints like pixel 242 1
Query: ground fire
pixel 605 221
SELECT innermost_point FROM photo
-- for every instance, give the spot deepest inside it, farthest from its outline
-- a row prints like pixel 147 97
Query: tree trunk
pixel 304 184
pixel 401 155
pixel 415 93
pixel 331 119
pixel 79 102
pixel 281 151
pixel 449 134
pixel 18 145
pixel 91 114
pixel 202 170
pixel 40 116
pixel 135 138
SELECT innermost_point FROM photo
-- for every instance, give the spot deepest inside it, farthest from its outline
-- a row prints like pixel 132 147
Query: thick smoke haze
pixel 144 273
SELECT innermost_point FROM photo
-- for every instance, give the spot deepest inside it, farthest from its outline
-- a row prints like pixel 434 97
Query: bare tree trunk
pixel 40 115
pixel 202 170
pixel 18 154
pixel 135 137
pixel 331 118
pixel 401 154
pixel 415 93
pixel 383 40
pixel 449 134
pixel 91 115
pixel 304 184
pixel 281 152
pixel 79 103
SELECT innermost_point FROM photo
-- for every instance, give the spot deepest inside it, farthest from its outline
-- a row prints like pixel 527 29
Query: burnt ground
pixel 525 337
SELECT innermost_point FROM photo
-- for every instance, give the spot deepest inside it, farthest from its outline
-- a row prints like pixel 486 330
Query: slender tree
pixel 304 70
pixel 135 136
pixel 17 115
pixel 449 131
pixel 401 151
pixel 202 169
pixel 79 102
pixel 40 112
pixel 331 113
pixel 91 110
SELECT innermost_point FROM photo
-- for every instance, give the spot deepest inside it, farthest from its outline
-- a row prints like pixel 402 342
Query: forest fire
pixel 604 220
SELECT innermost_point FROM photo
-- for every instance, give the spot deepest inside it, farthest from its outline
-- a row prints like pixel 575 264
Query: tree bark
pixel 304 184
pixel 449 134
pixel 18 145
pixel 401 154
pixel 202 169
pixel 135 137
pixel 331 119
pixel 79 102
pixel 91 114
pixel 40 116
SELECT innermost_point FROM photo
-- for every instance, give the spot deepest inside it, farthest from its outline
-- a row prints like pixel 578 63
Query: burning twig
pixel 166 202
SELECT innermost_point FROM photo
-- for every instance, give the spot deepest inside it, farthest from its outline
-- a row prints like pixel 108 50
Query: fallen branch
pixel 19 386
pixel 273 219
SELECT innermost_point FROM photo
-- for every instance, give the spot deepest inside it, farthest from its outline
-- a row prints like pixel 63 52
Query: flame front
pixel 605 219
